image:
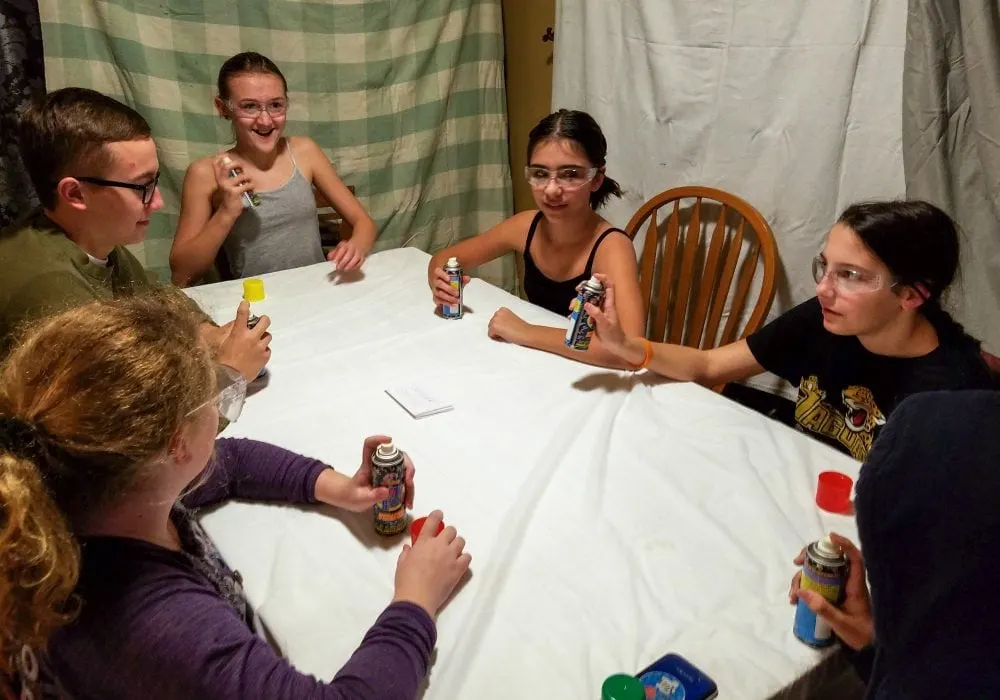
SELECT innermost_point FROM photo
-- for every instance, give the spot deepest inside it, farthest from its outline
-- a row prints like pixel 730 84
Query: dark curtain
pixel 951 140
pixel 22 77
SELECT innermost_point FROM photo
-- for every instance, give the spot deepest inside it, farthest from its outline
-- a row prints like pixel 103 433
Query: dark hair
pixel 246 62
pixel 919 244
pixel 66 131
pixel 581 129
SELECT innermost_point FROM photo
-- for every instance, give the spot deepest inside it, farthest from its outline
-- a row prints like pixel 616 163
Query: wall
pixel 529 81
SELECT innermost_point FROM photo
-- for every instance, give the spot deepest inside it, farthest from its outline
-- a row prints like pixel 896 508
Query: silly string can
pixel 388 470
pixel 251 324
pixel 250 198
pixel 824 571
pixel 581 325
pixel 454 272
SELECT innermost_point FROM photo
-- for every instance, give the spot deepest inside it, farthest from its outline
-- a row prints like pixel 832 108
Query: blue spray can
pixel 824 571
pixel 454 272
pixel 581 325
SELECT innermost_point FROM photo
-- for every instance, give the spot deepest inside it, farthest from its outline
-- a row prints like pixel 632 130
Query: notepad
pixel 419 400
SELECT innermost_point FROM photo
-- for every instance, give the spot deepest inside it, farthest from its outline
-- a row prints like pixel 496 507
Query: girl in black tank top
pixel 564 242
pixel 552 294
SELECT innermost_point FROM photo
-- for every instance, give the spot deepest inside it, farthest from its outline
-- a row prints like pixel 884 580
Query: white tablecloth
pixel 612 517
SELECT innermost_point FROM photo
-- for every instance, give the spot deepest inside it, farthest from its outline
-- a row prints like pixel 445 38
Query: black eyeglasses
pixel 147 189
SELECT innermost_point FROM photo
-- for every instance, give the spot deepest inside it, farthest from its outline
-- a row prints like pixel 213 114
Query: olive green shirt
pixel 42 271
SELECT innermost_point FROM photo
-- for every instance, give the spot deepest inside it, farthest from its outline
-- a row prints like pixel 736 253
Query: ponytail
pixel 600 196
pixel 944 324
pixel 946 327
pixel 39 557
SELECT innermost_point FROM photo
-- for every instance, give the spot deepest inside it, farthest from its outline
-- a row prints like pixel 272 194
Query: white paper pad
pixel 418 400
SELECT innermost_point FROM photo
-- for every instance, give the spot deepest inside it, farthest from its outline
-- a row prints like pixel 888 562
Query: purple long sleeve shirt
pixel 156 623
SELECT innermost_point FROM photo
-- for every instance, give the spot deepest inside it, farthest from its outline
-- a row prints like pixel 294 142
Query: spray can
pixel 824 571
pixel 454 272
pixel 251 324
pixel 581 326
pixel 250 198
pixel 389 470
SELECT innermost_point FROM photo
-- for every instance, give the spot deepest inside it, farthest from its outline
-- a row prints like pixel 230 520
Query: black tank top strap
pixel 593 251
pixel 531 231
pixel 552 294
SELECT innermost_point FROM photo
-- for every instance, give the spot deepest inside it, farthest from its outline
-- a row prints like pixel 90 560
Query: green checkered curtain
pixel 406 97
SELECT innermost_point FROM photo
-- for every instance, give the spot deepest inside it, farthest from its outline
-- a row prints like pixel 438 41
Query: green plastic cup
pixel 622 687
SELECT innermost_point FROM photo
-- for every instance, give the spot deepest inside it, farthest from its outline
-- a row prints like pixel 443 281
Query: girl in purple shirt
pixel 109 587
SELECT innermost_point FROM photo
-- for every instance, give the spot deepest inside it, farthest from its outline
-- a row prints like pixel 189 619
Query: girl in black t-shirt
pixel 874 333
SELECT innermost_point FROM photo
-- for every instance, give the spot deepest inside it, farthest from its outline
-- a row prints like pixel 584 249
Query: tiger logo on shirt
pixel 854 428
pixel 862 413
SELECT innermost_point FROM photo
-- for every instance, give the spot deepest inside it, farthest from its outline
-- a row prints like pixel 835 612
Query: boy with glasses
pixel 93 164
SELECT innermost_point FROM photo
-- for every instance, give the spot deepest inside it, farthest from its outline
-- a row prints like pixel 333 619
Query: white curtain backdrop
pixel 951 139
pixel 795 105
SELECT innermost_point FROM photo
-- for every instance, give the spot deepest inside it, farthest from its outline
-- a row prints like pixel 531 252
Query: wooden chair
pixel 687 275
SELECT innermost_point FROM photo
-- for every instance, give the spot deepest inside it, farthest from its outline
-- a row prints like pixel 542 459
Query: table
pixel 612 517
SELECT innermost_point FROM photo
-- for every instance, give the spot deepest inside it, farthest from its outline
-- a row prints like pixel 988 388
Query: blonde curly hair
pixel 88 399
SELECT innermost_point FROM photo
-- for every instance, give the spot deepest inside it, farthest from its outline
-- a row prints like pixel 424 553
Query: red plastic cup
pixel 417 525
pixel 833 492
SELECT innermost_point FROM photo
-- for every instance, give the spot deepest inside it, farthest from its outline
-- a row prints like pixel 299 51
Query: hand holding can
pixel 388 469
pixel 456 280
pixel 581 327
pixel 249 197
pixel 850 618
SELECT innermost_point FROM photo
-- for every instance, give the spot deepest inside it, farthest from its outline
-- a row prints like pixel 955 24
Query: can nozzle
pixel 827 547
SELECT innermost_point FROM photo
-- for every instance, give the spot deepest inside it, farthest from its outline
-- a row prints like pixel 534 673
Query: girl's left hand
pixel 347 256
pixel 506 325
pixel 356 493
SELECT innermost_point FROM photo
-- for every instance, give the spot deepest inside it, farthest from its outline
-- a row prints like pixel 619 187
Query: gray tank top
pixel 281 233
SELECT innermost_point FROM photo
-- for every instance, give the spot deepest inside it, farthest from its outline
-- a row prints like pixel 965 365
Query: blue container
pixel 824 571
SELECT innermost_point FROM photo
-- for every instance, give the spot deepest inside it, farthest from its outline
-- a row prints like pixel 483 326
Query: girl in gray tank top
pixel 277 174
pixel 282 232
